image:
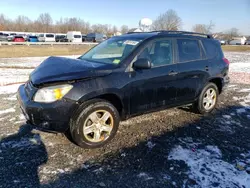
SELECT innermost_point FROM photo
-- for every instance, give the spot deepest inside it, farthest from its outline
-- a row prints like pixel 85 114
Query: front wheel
pixel 207 100
pixel 95 124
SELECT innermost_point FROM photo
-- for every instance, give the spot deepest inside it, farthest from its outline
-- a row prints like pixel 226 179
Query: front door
pixel 154 88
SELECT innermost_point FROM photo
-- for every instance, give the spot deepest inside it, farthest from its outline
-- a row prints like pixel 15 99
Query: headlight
pixel 52 93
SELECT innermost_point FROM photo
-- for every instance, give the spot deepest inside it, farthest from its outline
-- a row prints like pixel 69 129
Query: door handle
pixel 172 73
pixel 207 68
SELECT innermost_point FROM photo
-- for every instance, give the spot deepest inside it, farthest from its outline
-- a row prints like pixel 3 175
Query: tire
pixel 88 117
pixel 200 105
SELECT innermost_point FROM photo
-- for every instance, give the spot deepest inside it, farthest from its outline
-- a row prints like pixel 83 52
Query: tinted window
pixel 77 36
pixel 189 50
pixel 212 48
pixel 41 35
pixel 49 35
pixel 18 37
pixel 159 53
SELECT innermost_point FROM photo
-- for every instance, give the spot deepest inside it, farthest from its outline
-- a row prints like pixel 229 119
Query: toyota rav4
pixel 124 76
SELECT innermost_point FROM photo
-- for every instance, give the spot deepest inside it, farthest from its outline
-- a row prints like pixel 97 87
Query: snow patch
pixel 226 116
pixel 207 168
pixel 11 98
pixel 9 89
pixel 23 142
pixel 245 90
pixel 150 144
pixel 144 176
pixel 7 111
pixel 241 110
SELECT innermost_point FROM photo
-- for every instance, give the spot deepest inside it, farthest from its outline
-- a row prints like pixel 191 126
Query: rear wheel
pixel 95 124
pixel 208 99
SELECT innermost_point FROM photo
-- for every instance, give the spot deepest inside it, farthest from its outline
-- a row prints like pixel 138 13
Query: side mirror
pixel 142 63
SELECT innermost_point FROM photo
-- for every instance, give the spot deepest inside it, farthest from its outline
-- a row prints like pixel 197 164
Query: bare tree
pixel 203 28
pixel 168 21
pixel 233 32
pixel 124 29
pixel 22 23
pixel 45 22
pixel 114 29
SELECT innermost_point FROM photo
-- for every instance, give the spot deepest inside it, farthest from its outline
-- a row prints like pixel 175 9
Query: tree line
pixel 44 23
pixel 169 20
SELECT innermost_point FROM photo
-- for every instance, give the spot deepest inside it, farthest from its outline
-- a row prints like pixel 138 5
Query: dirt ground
pixel 170 148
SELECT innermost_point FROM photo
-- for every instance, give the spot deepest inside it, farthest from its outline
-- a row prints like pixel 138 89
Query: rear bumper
pixel 226 82
pixel 52 117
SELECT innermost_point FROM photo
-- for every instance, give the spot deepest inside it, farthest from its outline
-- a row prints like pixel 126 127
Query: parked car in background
pixel 64 39
pixel 23 35
pixel 95 37
pixel 84 38
pixel 222 42
pixel 122 77
pixel 46 37
pixel 248 41
pixel 18 38
pixel 32 38
pixel 74 36
pixel 3 37
pixel 238 41
pixel 59 37
pixel 11 36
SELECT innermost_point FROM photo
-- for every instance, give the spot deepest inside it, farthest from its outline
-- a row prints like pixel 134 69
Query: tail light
pixel 226 60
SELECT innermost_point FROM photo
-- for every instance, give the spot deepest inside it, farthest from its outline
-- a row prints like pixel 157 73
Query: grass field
pixel 236 48
pixel 33 51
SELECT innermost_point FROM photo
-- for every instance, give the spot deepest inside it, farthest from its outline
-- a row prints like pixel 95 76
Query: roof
pixel 167 33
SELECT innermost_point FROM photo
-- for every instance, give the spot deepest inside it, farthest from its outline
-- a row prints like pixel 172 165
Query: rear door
pixel 193 69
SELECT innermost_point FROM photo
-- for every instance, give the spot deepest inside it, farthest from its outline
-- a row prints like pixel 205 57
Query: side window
pixel 211 48
pixel 189 50
pixel 159 53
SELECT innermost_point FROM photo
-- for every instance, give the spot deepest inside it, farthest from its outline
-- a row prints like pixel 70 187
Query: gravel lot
pixel 171 148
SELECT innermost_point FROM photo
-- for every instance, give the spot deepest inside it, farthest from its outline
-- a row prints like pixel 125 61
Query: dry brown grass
pixel 236 48
pixel 32 51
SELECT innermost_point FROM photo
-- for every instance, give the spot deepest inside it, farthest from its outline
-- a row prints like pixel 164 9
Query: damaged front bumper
pixel 52 117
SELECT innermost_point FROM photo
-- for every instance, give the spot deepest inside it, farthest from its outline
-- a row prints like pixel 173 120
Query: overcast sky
pixel 224 13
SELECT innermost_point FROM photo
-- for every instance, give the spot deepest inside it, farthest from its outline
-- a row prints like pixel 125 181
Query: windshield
pixel 111 51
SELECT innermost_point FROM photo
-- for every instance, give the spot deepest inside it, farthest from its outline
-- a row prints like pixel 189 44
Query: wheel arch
pixel 112 97
pixel 218 82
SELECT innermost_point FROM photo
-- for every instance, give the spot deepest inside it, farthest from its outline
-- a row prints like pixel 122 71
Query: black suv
pixel 124 76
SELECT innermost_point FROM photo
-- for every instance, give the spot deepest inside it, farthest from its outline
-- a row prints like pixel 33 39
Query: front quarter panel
pixel 115 83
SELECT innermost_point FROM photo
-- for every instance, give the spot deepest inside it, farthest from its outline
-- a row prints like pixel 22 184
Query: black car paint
pixel 57 69
pixel 139 91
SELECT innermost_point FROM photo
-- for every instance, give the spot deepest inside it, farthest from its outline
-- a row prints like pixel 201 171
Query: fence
pixel 47 43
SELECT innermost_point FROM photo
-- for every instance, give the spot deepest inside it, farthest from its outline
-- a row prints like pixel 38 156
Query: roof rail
pixel 185 33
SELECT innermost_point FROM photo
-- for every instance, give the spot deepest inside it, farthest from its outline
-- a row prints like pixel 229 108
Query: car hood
pixel 59 69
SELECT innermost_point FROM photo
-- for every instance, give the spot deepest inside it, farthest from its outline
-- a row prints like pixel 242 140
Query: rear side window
pixel 49 35
pixel 77 36
pixel 212 49
pixel 189 50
